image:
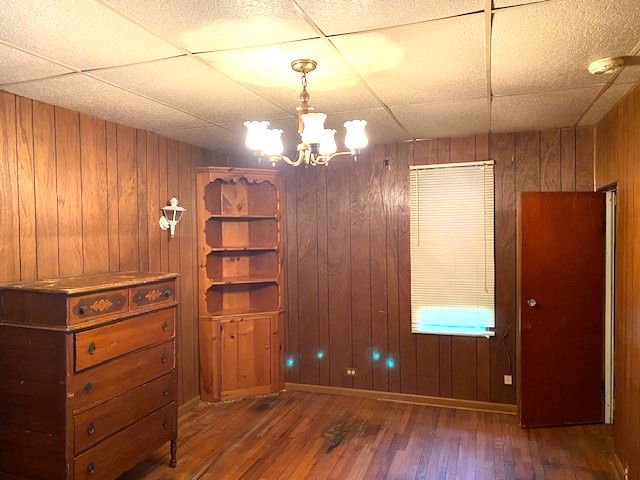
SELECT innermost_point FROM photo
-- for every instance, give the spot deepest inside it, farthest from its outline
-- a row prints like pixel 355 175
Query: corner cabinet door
pixel 254 352
pixel 245 354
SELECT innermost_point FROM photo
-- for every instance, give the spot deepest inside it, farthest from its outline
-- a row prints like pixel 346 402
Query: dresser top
pixel 89 283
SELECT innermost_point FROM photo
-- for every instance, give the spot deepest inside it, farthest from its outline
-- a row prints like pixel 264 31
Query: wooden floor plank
pixel 296 435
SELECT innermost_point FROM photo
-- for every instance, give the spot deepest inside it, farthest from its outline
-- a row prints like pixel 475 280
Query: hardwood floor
pixel 297 435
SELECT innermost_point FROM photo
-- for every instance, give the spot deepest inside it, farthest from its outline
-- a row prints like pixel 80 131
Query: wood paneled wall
pixel 618 161
pixel 347 264
pixel 82 195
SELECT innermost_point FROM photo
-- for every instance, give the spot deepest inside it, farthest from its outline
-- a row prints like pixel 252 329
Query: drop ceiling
pixel 195 70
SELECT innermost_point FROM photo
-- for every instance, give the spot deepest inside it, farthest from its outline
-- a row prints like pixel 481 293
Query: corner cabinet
pixel 240 279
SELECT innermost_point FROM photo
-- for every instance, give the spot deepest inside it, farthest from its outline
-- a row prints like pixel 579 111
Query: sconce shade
pixel 356 137
pixel 273 142
pixel 256 135
pixel 313 128
pixel 171 216
pixel 328 144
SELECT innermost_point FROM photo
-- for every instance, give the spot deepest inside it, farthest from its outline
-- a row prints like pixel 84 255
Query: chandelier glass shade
pixel 317 143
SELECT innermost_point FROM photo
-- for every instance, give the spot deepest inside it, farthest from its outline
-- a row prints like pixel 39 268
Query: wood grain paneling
pixel 70 203
pixel 339 271
pixel 82 195
pixel 46 187
pixel 95 238
pixel 617 161
pixel 348 264
pixel 9 236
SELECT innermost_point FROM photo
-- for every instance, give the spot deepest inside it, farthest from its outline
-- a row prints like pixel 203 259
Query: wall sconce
pixel 171 216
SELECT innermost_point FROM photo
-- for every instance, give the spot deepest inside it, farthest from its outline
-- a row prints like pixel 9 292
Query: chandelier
pixel 318 144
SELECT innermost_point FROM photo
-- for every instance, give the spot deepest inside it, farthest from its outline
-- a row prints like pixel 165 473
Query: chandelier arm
pixel 338 154
pixel 285 159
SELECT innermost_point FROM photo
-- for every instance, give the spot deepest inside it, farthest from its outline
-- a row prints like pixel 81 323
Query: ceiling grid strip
pixel 326 39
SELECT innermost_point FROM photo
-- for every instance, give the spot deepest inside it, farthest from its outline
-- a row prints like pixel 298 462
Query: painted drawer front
pixel 98 304
pixel 152 294
pixel 123 450
pixel 94 425
pixel 122 374
pixel 98 345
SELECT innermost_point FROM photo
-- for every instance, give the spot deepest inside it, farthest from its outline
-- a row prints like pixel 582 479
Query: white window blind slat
pixel 452 249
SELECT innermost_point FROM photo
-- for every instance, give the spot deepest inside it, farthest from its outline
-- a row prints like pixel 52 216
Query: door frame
pixel 609 304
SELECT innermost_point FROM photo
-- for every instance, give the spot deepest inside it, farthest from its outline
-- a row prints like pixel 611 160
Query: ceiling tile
pixel 447 118
pixel 548 46
pixel 424 62
pixel 210 137
pixel 267 71
pixel 538 111
pixel 605 103
pixel 193 87
pixel 79 34
pixel 17 66
pixel 343 16
pixel 85 94
pixel 200 25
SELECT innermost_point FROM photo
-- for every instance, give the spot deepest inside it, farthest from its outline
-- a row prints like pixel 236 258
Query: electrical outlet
pixel 351 372
pixel 508 380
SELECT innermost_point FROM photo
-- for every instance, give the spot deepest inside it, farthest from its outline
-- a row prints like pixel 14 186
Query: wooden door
pixel 561 308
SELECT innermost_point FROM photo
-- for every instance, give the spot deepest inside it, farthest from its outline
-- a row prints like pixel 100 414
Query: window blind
pixel 452 249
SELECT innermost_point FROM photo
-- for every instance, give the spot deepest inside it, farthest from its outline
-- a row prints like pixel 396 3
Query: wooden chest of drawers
pixel 87 374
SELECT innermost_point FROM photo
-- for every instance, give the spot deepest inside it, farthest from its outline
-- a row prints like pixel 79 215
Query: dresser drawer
pixel 121 375
pixel 96 424
pixel 98 304
pixel 123 450
pixel 152 294
pixel 104 343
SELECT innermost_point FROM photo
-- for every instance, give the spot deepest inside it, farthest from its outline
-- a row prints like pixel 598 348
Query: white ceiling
pixel 195 70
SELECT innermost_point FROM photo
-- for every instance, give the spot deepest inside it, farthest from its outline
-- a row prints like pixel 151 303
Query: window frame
pixel 488 332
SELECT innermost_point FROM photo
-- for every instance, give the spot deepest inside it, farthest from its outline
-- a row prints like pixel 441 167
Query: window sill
pixel 458 333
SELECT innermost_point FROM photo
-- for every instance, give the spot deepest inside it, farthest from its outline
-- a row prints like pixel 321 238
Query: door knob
pixel 532 302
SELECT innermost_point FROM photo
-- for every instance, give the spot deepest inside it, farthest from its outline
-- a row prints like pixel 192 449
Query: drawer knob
pixel 91 468
pixel 88 387
pixel 164 357
pixel 165 424
pixel 167 293
pixel 165 393
pixel 83 309
pixel 165 326
pixel 91 348
pixel 91 428
pixel 139 298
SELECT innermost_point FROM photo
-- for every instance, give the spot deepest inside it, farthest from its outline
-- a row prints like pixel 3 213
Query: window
pixel 452 249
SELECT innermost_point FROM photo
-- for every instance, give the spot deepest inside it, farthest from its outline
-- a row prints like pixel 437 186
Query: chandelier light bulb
pixel 328 144
pixel 255 138
pixel 313 131
pixel 273 145
pixel 356 137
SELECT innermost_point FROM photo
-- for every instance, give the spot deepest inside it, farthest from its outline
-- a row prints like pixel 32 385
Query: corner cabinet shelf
pixel 240 282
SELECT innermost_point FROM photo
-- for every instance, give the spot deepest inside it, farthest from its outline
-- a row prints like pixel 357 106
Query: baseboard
pixel 618 467
pixel 188 406
pixel 406 398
